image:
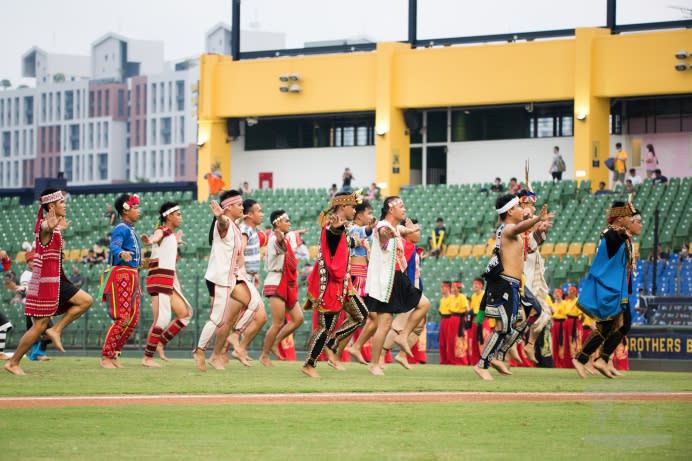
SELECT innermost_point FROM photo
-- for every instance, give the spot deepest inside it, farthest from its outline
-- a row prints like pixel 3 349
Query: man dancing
pixel 606 288
pixel 163 284
pixel 329 286
pixel 504 278
pixel 121 291
pixel 50 292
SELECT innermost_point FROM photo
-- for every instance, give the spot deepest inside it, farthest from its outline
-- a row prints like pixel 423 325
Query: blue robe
pixel 604 291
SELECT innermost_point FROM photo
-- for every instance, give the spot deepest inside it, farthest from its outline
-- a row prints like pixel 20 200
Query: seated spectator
pixel 332 191
pixel 662 254
pixel 76 278
pixel 684 252
pixel 105 241
pixel 658 177
pixel 5 261
pixel 602 189
pixel 497 187
pixel 373 193
pixel 629 187
pixel 26 246
pixel 245 189
pixel 436 240
pixel 304 273
pixel 514 186
pixel 99 253
pixel 634 178
pixel 109 216
pixel 90 258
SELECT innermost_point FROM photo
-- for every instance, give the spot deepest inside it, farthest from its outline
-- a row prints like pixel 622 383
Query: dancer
pixel 280 285
pixel 163 285
pixel 361 231
pixel 389 289
pixel 252 241
pixel 228 288
pixel 50 292
pixel 121 289
pixel 606 288
pixel 504 277
pixel 330 289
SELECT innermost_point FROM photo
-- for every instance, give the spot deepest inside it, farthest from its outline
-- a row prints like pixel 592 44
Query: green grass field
pixel 367 431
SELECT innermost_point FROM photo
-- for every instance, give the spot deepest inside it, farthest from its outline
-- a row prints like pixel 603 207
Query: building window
pixel 103 166
pixel 108 102
pixel 181 161
pixel 67 167
pixel 165 130
pixel 180 94
pixel 121 103
pixel 74 137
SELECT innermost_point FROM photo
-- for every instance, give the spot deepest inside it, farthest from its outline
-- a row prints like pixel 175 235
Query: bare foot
pixel 400 358
pixel 501 366
pixel 117 363
pixel 265 360
pixel 216 362
pixel 42 358
pixel 233 340
pixel 241 356
pixel 161 352
pixel 55 337
pixel 310 372
pixel 354 351
pixel 336 365
pixel 149 362
pixel 375 370
pixel 513 353
pixel 602 368
pixel 275 351
pixel 581 369
pixel 4 356
pixel 614 371
pixel 108 363
pixel 590 369
pixel 14 369
pixel 483 373
pixel 200 362
pixel 402 341
pixel 530 352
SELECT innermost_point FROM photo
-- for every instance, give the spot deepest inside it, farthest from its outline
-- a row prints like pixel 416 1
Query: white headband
pixel 508 206
pixel 279 218
pixel 170 210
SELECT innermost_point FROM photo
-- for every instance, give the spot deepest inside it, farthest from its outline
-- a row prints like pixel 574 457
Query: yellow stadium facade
pixel 588 69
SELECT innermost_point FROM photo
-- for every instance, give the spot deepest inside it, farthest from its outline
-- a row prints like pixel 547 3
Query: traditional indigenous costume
pixel 162 281
pixel 474 332
pixel 606 288
pixel 121 290
pixel 572 341
pixel 458 327
pixel 559 308
pixel 330 289
pixel 445 335
pixel 5 324
pixel 414 256
pixel 223 273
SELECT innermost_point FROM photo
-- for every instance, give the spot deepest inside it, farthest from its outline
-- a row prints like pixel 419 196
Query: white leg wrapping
pixel 255 302
pixel 164 317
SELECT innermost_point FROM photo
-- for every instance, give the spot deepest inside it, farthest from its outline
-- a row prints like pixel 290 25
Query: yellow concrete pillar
pixel 591 113
pixel 392 149
pixel 212 138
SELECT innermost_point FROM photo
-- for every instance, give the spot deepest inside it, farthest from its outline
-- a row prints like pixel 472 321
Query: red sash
pixel 288 286
pixel 328 288
pixel 44 287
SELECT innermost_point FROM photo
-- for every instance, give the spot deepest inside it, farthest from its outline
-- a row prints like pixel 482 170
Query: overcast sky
pixel 70 26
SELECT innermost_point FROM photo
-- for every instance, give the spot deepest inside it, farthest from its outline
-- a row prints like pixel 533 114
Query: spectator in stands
pixel 245 189
pixel 214 179
pixel 557 166
pixel 658 177
pixel 67 195
pixel 26 246
pixel 602 189
pixel 99 253
pixel 514 186
pixel 332 191
pixel 436 240
pixel 684 252
pixel 109 216
pixel 629 187
pixel 634 177
pixel 90 258
pixel 497 187
pixel 373 193
pixel 650 160
pixel 304 273
pixel 347 177
pixel 76 278
pixel 662 254
pixel 620 164
pixel 643 308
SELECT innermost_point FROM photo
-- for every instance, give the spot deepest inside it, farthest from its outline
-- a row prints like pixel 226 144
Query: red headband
pixel 132 201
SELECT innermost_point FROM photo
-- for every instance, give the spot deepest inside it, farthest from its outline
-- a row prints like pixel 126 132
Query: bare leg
pixel 414 319
pixel 277 306
pixel 25 343
pixel 365 334
pixel 79 304
pixel 250 334
pixel 384 322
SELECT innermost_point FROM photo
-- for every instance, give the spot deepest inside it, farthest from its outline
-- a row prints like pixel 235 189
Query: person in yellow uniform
pixel 446 301
pixel 474 332
pixel 620 166
pixel 559 308
pixel 458 310
pixel 573 326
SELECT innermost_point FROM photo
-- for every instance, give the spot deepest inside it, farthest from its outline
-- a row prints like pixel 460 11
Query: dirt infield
pixel 320 398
